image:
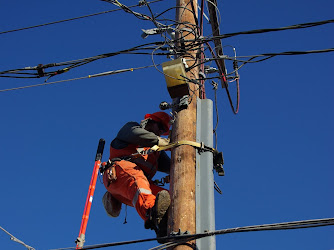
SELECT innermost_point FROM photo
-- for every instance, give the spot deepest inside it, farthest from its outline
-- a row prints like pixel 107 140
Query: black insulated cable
pixel 72 19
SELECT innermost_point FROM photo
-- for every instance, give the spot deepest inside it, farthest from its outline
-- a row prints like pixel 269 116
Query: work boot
pixel 111 205
pixel 158 214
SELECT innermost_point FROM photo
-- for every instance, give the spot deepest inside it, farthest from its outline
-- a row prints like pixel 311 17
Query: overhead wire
pixel 70 64
pixel 192 46
pixel 266 30
pixel 152 15
pixel 158 26
pixel 194 43
pixel 78 78
pixel 185 50
pixel 295 26
pixel 137 14
pixel 188 29
pixel 258 31
pixel 271 55
pixel 202 51
pixel 215 20
pixel 172 241
pixel 268 56
pixel 252 60
pixel 72 19
pixel 13 238
pixel 224 82
pixel 265 227
pixel 291 53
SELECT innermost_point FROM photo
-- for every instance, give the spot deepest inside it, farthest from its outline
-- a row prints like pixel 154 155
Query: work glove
pixel 162 141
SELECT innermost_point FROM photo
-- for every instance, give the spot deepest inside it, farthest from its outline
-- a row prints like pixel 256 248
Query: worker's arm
pixel 133 133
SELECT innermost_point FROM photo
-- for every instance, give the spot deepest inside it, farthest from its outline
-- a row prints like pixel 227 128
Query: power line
pixel 126 9
pixel 80 62
pixel 292 53
pixel 40 69
pixel 24 72
pixel 266 57
pixel 72 19
pixel 13 238
pixel 78 78
pixel 258 31
pixel 55 22
pixel 181 239
pixel 193 44
pixel 265 227
pixel 271 55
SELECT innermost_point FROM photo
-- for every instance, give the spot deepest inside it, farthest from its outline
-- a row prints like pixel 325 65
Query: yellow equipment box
pixel 176 84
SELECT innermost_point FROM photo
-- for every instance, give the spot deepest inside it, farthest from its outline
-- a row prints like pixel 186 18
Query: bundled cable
pixel 13 238
pixel 173 241
pixel 113 72
pixel 41 70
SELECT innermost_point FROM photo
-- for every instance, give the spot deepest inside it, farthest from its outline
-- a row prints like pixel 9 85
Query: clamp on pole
pixel 218 160
pixel 198 145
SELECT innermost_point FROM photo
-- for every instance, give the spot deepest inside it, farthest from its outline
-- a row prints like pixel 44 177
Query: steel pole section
pixel 205 205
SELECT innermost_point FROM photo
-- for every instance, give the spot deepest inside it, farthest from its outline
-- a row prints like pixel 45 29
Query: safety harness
pixel 217 156
pixel 199 145
pixel 218 160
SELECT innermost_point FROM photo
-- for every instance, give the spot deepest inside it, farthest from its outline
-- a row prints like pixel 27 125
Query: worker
pixel 128 176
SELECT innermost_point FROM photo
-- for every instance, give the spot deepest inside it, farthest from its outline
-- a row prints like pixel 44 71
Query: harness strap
pixel 198 145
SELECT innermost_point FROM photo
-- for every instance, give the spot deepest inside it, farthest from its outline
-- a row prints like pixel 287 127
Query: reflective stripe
pixel 140 191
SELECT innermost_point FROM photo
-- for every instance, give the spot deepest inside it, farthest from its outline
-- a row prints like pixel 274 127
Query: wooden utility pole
pixel 182 213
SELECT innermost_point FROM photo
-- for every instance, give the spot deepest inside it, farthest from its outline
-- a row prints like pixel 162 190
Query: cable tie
pixel 40 70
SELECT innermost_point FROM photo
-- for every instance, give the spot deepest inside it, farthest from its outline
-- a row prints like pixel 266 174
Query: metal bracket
pixel 209 70
pixel 179 103
pixel 156 31
pixel 162 181
pixel 218 162
pixel 80 241
pixel 201 149
pixel 179 233
pixel 182 102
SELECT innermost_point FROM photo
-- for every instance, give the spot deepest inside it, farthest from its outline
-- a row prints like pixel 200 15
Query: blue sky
pixel 278 150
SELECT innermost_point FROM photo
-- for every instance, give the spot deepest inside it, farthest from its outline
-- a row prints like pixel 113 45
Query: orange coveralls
pixel 133 185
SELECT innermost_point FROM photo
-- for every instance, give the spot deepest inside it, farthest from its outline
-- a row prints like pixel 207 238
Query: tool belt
pixel 110 165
